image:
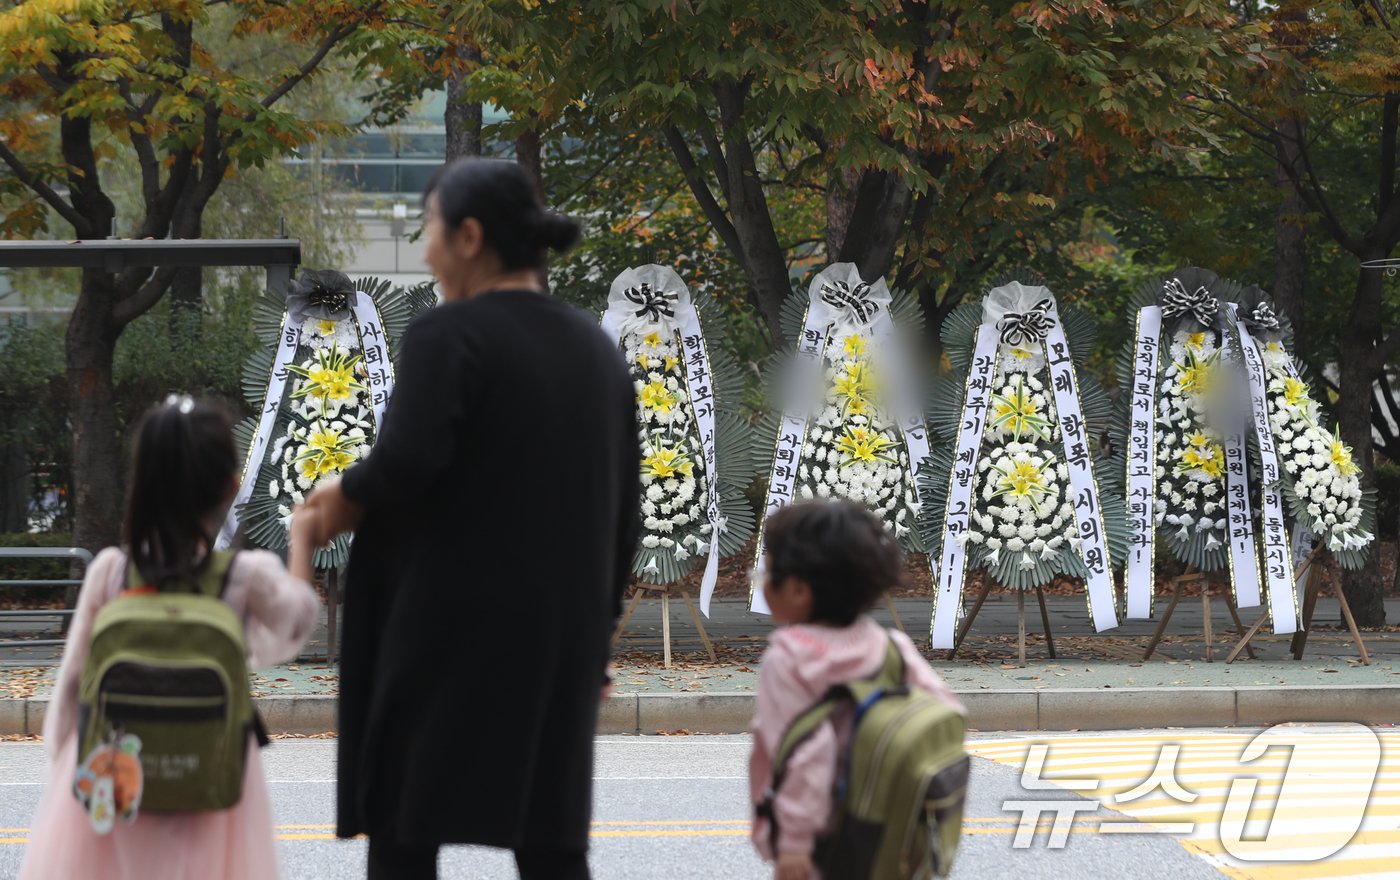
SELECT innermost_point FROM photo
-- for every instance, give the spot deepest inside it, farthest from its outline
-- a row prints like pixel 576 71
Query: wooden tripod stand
pixel 665 591
pixel 1192 575
pixel 1312 587
pixel 1020 622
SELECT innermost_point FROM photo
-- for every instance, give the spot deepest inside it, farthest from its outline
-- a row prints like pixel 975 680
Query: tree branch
pixel 717 160
pixel 1389 112
pixel 1319 198
pixel 701 191
pixel 147 295
pixel 311 64
pixel 1385 351
pixel 45 192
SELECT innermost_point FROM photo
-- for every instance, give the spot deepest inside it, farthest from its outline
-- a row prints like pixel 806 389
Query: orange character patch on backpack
pixel 109 782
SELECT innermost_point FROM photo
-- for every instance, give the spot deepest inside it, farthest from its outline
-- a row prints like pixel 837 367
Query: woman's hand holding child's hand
pixel 793 866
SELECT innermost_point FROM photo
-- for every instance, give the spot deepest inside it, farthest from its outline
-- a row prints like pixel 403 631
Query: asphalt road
pixel 667 808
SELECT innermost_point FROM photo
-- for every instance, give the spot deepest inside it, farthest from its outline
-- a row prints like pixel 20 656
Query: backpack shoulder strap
pixel 213 580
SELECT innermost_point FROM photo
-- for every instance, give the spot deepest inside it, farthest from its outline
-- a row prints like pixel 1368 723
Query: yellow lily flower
pixel 862 444
pixel 1341 456
pixel 1295 392
pixel 657 397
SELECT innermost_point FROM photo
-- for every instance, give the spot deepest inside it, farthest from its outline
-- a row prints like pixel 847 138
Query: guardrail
pixel 70 591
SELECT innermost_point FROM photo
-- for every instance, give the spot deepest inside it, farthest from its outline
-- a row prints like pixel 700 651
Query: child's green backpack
pixel 900 807
pixel 164 712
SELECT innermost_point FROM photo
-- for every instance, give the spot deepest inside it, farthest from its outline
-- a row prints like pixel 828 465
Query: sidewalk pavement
pixel 1096 682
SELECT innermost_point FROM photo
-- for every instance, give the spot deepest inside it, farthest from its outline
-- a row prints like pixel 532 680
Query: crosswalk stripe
pixel 1208 765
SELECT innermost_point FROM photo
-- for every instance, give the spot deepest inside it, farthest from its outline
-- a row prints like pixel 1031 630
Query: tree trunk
pixel 840 205
pixel 882 202
pixel 88 351
pixel 463 118
pixel 1290 257
pixel 763 257
pixel 1364 587
pixel 14 483
pixel 529 154
pixel 187 291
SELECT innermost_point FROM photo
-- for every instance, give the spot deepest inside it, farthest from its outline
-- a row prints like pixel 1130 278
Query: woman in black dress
pixel 495 522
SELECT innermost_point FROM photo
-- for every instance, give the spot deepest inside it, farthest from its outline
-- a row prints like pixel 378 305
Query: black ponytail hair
pixel 501 196
pixel 182 461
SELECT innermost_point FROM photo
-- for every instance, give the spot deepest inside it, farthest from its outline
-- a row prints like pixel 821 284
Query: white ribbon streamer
pixel 288 340
pixel 375 349
pixel 842 302
pixel 947 595
pixel 1283 602
pixel 654 296
pixel 1088 512
pixel 1244 564
pixel 1141 575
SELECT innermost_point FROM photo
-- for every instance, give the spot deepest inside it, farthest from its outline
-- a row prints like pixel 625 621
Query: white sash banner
pixel 287 344
pixel 655 296
pixel 1141 574
pixel 1277 560
pixel 375 348
pixel 948 581
pixel 1244 563
pixel 1088 512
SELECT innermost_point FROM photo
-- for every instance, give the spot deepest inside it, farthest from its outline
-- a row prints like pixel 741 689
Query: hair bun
pixel 555 231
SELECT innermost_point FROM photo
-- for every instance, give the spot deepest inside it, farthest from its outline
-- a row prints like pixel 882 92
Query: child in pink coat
pixel 826 563
pixel 184 473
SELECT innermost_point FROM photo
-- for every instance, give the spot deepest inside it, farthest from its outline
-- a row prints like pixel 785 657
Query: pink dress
pixel 278 612
pixel 801 664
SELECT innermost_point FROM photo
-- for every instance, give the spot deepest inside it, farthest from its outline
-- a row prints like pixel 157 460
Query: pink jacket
pixel 802 662
pixel 278 611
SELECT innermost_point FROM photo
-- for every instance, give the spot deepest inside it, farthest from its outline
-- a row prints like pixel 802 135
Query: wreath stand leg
pixel 1311 592
pixel 1205 621
pixel 1045 619
pixel 700 627
pixel 1239 628
pixel 665 591
pixel 627 615
pixel 1020 627
pixel 967 621
pixel 332 612
pixel 1166 617
pixel 1312 587
pixel 898 624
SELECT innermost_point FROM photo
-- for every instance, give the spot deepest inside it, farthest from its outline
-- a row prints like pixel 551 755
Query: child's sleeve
pixel 100 584
pixel 802 805
pixel 280 609
pixel 919 674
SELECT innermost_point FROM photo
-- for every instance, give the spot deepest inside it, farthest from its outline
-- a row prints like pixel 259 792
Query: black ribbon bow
pixel 652 304
pixel 841 295
pixel 1200 305
pixel 1029 327
pixel 1261 318
pixel 323 294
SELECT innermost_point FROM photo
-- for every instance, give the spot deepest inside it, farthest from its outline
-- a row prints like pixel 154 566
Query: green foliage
pixel 34 569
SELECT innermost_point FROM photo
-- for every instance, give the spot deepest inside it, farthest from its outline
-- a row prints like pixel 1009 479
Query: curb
pixel 1010 710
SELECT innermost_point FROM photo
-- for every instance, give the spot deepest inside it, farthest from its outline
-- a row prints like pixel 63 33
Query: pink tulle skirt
pixel 234 844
